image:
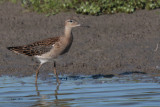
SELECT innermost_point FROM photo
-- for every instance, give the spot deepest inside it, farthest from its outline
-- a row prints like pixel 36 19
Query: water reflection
pixel 132 90
pixel 55 102
pixel 40 102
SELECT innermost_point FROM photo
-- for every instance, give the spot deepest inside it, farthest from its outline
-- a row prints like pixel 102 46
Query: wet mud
pixel 113 45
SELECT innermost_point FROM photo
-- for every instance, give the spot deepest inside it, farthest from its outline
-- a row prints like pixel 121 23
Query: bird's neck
pixel 68 32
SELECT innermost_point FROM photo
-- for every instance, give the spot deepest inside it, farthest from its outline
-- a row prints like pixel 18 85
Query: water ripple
pixel 115 91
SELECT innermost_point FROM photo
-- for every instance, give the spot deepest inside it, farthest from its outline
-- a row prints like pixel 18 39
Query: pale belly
pixel 54 53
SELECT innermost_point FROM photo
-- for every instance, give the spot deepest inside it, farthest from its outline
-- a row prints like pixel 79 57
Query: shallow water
pixel 131 90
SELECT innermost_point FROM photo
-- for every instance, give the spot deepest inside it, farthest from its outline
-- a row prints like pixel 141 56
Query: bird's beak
pixel 78 25
pixel 85 26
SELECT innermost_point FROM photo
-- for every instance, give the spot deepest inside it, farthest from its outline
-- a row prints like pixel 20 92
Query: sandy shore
pixel 113 44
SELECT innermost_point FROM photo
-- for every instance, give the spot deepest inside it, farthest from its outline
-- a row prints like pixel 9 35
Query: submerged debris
pixel 156 47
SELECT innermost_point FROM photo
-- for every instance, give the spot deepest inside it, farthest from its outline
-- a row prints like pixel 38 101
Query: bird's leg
pixel 36 85
pixel 55 73
pixel 37 71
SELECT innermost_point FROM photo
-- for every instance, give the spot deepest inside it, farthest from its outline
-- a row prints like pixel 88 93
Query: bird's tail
pixel 14 49
pixel 11 48
pixel 21 50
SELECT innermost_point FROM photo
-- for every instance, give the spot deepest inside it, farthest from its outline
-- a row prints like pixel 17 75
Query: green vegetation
pixel 92 7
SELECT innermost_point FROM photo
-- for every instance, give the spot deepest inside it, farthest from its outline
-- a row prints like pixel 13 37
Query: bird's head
pixel 71 23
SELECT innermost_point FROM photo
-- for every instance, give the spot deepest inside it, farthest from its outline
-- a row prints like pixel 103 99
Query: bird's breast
pixel 65 45
pixel 60 47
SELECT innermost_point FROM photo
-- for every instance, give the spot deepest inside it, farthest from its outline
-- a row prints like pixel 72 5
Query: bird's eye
pixel 70 21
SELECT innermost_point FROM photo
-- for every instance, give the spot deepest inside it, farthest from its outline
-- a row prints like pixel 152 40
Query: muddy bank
pixel 113 44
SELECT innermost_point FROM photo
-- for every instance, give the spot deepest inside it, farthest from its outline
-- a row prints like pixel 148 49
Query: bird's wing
pixel 36 48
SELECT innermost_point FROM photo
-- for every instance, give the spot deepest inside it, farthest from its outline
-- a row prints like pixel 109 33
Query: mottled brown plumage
pixel 36 48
